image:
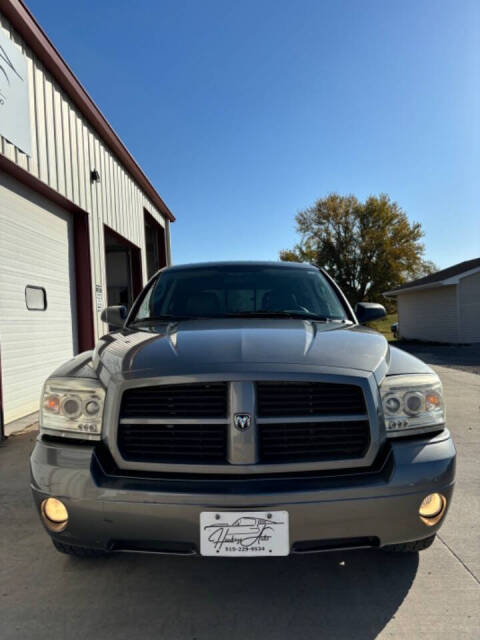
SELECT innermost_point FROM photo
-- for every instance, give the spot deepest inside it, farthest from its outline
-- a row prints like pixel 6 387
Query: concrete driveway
pixel 357 595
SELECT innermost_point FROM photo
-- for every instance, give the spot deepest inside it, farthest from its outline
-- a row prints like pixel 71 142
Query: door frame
pixel 162 244
pixel 135 260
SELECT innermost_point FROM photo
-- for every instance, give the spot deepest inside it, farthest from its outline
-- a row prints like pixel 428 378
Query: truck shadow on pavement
pixel 337 595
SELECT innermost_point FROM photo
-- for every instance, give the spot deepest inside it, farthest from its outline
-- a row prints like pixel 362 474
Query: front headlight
pixel 72 407
pixel 412 404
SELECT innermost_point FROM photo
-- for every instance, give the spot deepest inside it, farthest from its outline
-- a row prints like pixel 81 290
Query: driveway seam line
pixel 459 559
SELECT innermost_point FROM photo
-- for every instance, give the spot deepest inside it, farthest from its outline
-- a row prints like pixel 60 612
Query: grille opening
pixel 287 399
pixel 317 546
pixel 154 546
pixel 307 441
pixel 177 443
pixel 197 400
pixel 106 473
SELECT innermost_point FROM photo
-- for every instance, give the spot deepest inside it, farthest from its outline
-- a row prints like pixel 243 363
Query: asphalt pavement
pixel 358 595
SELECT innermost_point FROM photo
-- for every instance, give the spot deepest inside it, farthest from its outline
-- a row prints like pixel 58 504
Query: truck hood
pixel 222 346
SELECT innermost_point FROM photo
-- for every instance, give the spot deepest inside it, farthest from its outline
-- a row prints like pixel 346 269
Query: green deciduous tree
pixel 368 247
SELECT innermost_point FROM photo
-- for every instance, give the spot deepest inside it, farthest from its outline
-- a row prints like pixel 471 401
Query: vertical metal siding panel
pixel 111 188
pixel 116 177
pixel 41 125
pixel 21 158
pixel 74 155
pixel 139 217
pixel 96 264
pixel 7 148
pixel 104 184
pixel 123 208
pixel 91 225
pixel 50 134
pixel 133 215
pixel 114 187
pixel 99 215
pixel 60 155
pixel 32 161
pixel 128 218
pixel 82 185
pixel 167 241
pixel 140 214
pixel 67 149
pixel 101 237
pixel 131 230
pixel 86 169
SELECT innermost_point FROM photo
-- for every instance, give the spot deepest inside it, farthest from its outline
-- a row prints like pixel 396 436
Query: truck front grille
pixel 282 399
pixel 194 424
pixel 197 400
pixel 173 443
pixel 307 441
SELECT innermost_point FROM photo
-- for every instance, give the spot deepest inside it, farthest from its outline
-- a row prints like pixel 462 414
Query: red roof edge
pixel 25 24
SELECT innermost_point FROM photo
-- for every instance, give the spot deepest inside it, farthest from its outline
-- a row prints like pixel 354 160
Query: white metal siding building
pixel 80 224
pixel 442 307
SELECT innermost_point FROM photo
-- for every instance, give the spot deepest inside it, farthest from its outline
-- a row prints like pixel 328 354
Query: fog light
pixel 55 514
pixel 432 508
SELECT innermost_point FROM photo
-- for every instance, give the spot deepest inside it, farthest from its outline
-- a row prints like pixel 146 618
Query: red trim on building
pixel 83 275
pixel 83 283
pixel 25 24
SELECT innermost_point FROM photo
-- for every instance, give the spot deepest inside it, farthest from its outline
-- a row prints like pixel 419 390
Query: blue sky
pixel 242 113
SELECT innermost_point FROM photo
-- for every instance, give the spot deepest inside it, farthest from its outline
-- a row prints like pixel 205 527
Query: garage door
pixel 37 296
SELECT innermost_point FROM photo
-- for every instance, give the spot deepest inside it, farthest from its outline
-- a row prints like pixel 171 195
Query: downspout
pixel 2 420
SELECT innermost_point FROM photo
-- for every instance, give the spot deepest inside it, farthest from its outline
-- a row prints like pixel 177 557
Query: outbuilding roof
pixel 447 276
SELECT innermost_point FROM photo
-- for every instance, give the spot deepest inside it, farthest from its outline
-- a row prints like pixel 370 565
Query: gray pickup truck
pixel 241 409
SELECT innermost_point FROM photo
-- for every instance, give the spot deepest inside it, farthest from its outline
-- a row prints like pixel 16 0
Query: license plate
pixel 244 533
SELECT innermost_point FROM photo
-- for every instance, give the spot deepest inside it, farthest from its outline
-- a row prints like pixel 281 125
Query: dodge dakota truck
pixel 242 409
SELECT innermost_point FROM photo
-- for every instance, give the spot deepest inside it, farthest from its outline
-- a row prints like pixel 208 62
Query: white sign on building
pixel 14 109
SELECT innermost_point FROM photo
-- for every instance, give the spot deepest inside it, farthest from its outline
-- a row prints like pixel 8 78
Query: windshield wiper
pixel 302 315
pixel 162 318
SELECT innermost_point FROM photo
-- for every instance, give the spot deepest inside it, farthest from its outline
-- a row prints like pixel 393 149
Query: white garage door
pixel 36 270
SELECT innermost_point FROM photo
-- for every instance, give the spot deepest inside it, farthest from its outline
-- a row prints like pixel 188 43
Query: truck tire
pixel 410 547
pixel 78 552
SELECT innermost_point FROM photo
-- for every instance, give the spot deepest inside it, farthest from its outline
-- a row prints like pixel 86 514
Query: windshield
pixel 240 291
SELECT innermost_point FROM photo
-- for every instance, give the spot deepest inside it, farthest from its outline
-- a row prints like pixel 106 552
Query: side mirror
pixel 114 316
pixel 368 311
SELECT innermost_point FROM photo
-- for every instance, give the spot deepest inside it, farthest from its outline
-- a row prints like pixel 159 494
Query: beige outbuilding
pixel 441 307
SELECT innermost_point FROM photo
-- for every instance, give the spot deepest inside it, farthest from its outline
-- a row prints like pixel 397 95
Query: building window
pixel 154 245
pixel 35 298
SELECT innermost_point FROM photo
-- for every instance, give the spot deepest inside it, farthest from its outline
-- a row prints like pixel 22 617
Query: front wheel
pixel 78 552
pixel 410 547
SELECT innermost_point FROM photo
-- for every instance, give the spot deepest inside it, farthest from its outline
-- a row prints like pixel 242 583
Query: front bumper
pixel 113 512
